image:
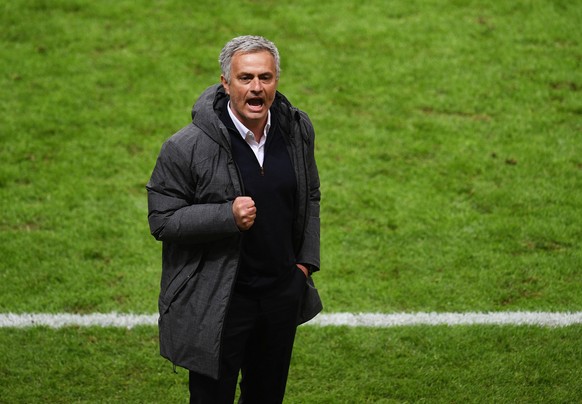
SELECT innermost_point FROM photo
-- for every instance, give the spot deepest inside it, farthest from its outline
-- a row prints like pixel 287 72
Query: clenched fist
pixel 244 211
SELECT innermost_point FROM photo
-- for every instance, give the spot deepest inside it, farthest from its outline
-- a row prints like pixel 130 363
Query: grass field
pixel 449 139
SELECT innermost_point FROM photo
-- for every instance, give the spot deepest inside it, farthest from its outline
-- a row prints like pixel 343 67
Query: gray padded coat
pixel 190 196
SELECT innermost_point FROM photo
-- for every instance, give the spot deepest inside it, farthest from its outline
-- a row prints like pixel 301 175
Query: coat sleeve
pixel 310 251
pixel 174 214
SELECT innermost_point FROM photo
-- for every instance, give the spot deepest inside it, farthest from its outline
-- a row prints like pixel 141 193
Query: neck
pixel 258 130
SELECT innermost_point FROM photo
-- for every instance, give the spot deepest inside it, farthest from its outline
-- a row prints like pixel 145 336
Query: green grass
pixel 448 142
pixel 330 365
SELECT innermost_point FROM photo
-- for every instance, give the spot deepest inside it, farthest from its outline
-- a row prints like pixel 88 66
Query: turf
pixel 448 142
pixel 330 365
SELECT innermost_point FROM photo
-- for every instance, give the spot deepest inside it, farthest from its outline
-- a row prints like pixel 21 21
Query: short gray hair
pixel 246 44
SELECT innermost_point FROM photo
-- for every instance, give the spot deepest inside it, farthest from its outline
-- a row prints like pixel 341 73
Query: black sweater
pixel 267 257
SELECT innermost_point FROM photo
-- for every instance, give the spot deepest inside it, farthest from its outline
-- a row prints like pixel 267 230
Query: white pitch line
pixel 542 319
pixel 379 320
pixel 59 320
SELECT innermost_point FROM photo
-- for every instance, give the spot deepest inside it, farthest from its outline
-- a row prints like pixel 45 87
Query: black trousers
pixel 257 340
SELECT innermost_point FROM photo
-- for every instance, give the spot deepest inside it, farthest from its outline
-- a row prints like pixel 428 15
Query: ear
pixel 225 84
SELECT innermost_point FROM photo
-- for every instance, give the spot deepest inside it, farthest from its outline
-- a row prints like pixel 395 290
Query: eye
pixel 266 78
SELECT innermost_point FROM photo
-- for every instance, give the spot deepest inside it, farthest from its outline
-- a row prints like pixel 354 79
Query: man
pixel 234 198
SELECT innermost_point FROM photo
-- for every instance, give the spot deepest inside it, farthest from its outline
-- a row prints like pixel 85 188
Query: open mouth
pixel 255 104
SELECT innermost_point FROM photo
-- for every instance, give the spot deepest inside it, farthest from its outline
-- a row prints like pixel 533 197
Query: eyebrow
pixel 242 74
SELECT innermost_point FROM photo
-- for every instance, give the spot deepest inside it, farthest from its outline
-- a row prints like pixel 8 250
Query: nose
pixel 256 85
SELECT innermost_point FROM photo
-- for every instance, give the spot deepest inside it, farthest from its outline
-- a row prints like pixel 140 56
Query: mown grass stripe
pixel 380 320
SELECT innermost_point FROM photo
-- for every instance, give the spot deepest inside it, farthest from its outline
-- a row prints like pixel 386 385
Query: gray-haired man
pixel 234 197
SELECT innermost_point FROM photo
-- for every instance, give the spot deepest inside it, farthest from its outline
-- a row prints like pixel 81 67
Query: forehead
pixel 253 62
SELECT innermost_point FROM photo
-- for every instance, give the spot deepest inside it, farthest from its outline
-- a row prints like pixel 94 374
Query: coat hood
pixel 205 113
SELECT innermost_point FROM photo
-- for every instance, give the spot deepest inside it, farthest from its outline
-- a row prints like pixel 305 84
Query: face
pixel 252 87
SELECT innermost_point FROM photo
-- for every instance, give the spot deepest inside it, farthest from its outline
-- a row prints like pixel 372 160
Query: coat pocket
pixel 178 283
